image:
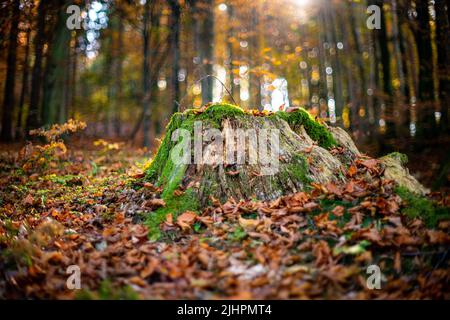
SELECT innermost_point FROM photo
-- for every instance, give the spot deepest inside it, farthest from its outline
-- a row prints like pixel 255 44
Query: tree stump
pixel 218 145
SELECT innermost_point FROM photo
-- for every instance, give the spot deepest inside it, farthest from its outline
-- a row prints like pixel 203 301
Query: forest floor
pixel 81 205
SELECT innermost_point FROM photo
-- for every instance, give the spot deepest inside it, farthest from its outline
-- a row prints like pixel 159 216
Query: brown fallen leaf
pixel 139 231
pixel 311 205
pixel 370 163
pixel 154 203
pixel 149 269
pixel 352 170
pixel 150 186
pixel 178 192
pixel 437 236
pixel 264 237
pixel 249 223
pixel 137 281
pixel 338 211
pixel 28 200
pixel 333 188
pixel 169 220
pixel 398 262
pixel 296 209
pixel 186 219
pixel 371 234
pixel 135 175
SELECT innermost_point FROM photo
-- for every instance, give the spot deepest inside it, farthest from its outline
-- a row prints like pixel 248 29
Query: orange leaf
pixel 338 211
pixel 186 219
pixel 29 200
pixel 352 170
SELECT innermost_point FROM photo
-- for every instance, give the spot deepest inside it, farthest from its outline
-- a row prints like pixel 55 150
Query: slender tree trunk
pixel 448 9
pixel 206 49
pixel 146 75
pixel 443 48
pixel 362 88
pixel 254 61
pixel 24 90
pixel 323 61
pixel 426 88
pixel 73 82
pixel 396 45
pixel 230 34
pixel 401 105
pixel 115 70
pixel 336 64
pixel 175 45
pixel 9 98
pixel 33 120
pixel 372 82
pixel 383 42
pixel 405 117
pixel 57 68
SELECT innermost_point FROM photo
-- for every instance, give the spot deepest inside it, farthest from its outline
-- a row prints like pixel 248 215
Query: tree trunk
pixel 426 88
pixel 387 76
pixel 206 49
pixel 73 82
pixel 33 119
pixel 362 87
pixel 230 34
pixel 443 49
pixel 254 85
pixel 146 74
pixel 115 70
pixel 9 95
pixel 57 68
pixel 24 89
pixel 175 24
pixel 335 63
pixel 407 68
pixel 396 44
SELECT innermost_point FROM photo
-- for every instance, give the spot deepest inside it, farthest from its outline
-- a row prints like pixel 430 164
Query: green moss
pixel 157 164
pixel 174 205
pixel 217 112
pixel 403 158
pixel 297 168
pixel 327 205
pixel 238 234
pixel 107 291
pixel 315 130
pixel 420 207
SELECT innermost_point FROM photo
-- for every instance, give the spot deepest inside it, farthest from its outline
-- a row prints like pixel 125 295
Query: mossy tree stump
pixel 306 154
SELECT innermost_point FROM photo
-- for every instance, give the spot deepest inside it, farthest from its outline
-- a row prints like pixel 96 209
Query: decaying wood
pixel 297 151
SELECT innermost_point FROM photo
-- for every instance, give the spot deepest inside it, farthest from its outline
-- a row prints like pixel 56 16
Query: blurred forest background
pixel 128 65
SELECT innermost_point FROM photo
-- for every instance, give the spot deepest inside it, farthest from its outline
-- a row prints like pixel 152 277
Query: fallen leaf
pixel 154 203
pixel 370 163
pixel 249 223
pixel 352 170
pixel 338 211
pixel 28 200
pixel 186 219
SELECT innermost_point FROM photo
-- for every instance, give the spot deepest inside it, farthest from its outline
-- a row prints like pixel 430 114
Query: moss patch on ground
pixel 175 205
pixel 420 207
